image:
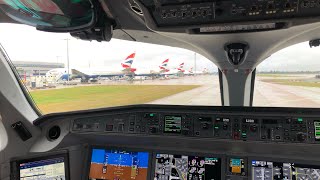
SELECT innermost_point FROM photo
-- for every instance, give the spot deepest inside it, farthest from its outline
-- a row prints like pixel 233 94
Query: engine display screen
pixel 169 166
pixel 265 170
pixel 44 168
pixel 118 164
pixel 172 124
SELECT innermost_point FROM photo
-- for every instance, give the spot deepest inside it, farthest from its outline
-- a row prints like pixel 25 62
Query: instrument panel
pixel 115 163
pixel 211 15
pixel 187 142
pixel 251 127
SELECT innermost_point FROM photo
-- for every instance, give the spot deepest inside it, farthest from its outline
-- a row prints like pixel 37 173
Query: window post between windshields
pixel 237 87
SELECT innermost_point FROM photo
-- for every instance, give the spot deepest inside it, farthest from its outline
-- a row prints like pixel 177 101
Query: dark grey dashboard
pixel 244 134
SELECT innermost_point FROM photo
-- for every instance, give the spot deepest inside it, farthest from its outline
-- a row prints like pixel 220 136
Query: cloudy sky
pixel 24 43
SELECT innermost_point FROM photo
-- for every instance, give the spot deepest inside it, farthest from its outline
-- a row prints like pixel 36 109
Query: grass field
pixel 291 82
pixel 89 97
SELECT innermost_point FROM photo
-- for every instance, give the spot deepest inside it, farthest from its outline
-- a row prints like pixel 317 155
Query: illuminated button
pixel 244 135
pixel 300 120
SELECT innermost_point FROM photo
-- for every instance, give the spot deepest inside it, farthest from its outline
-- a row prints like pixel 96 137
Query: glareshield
pixel 50 14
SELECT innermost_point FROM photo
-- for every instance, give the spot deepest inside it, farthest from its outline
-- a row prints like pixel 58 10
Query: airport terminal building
pixel 30 68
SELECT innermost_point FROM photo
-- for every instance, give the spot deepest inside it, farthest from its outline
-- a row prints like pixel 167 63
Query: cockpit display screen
pixel 264 170
pixel 43 168
pixel 118 164
pixel 172 124
pixel 169 166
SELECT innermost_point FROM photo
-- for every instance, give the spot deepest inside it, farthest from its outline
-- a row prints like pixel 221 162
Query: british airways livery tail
pixel 180 68
pixel 164 65
pixel 128 61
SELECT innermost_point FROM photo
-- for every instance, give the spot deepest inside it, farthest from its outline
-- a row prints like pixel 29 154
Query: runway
pixel 266 94
pixel 275 95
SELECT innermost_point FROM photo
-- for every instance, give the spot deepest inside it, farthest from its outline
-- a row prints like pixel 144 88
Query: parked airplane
pixel 153 72
pixel 179 71
pixel 61 74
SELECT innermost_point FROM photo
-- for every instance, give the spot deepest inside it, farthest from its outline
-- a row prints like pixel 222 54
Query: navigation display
pixel 43 169
pixel 265 170
pixel 174 167
pixel 172 124
pixel 118 165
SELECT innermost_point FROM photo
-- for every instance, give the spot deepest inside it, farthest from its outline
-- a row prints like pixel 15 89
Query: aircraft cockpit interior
pixel 210 91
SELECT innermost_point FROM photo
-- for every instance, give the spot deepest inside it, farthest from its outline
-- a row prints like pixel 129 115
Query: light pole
pixel 68 68
pixel 58 58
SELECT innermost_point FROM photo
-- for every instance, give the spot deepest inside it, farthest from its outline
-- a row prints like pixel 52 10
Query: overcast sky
pixel 24 43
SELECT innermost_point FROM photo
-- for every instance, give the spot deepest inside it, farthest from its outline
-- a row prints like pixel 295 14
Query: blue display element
pixel 122 158
pixel 235 162
pixel 40 163
pixel 98 156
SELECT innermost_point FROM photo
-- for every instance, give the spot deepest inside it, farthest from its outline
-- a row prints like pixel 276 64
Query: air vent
pixel 54 133
pixel 135 7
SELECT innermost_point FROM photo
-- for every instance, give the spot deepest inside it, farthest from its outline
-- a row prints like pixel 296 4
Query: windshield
pixel 289 78
pixel 63 74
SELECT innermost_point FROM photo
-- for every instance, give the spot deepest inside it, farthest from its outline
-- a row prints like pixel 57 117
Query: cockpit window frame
pixel 22 86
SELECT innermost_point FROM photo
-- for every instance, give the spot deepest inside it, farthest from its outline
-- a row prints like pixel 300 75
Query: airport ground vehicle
pixel 235 141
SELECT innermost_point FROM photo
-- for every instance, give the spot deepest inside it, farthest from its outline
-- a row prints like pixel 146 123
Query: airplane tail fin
pixel 180 68
pixel 164 65
pixel 128 61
